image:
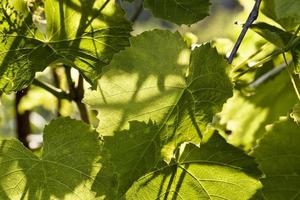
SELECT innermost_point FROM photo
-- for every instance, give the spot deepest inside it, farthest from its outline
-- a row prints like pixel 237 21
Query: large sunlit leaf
pixel 66 168
pixel 278 155
pixel 149 81
pixel 179 11
pixel 79 34
pixel 214 171
pixel 284 12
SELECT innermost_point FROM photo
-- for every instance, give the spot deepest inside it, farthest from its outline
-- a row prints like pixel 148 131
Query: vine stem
pixel 291 76
pixel 57 85
pixel 268 75
pixel 54 91
pixel 251 18
pixel 77 94
pixel 22 119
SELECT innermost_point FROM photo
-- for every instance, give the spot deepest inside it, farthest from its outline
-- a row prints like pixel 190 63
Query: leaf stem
pixel 243 63
pixel 251 18
pixel 291 76
pixel 260 63
pixel 54 91
pixel 268 75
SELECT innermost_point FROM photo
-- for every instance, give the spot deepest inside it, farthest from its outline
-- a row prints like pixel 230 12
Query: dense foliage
pixel 174 119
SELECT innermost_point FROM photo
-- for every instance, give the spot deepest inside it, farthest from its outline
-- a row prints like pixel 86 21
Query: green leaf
pixel 145 84
pixel 296 57
pixel 216 170
pixel 273 34
pixel 179 11
pixel 247 115
pixel 278 156
pixel 81 35
pixel 14 71
pixel 66 168
pixel 284 12
pixel 133 152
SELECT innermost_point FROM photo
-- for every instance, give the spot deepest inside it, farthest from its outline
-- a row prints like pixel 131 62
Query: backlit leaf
pixel 149 81
pixel 83 35
pixel 278 156
pixel 214 171
pixel 284 12
pixel 66 168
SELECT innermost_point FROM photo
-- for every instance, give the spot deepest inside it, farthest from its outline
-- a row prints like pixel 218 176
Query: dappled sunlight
pixel 155 87
pixel 141 99
pixel 184 57
pixel 79 34
pixel 200 173
pixel 247 115
pixel 137 87
pixel 55 174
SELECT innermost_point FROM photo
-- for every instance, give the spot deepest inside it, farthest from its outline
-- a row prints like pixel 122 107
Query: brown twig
pixel 54 91
pixel 56 81
pixel 22 119
pixel 251 18
pixel 77 94
pixel 78 99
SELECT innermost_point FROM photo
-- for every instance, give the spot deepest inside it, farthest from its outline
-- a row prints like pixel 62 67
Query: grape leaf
pixel 133 152
pixel 14 20
pixel 179 11
pixel 247 115
pixel 284 12
pixel 142 83
pixel 216 170
pixel 83 35
pixel 278 156
pixel 66 168
pixel 273 34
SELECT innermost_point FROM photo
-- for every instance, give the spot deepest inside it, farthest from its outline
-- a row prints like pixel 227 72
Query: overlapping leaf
pixel 179 11
pixel 66 168
pixel 284 12
pixel 79 34
pixel 273 34
pixel 13 50
pixel 133 152
pixel 214 171
pixel 148 81
pixel 247 116
pixel 278 155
